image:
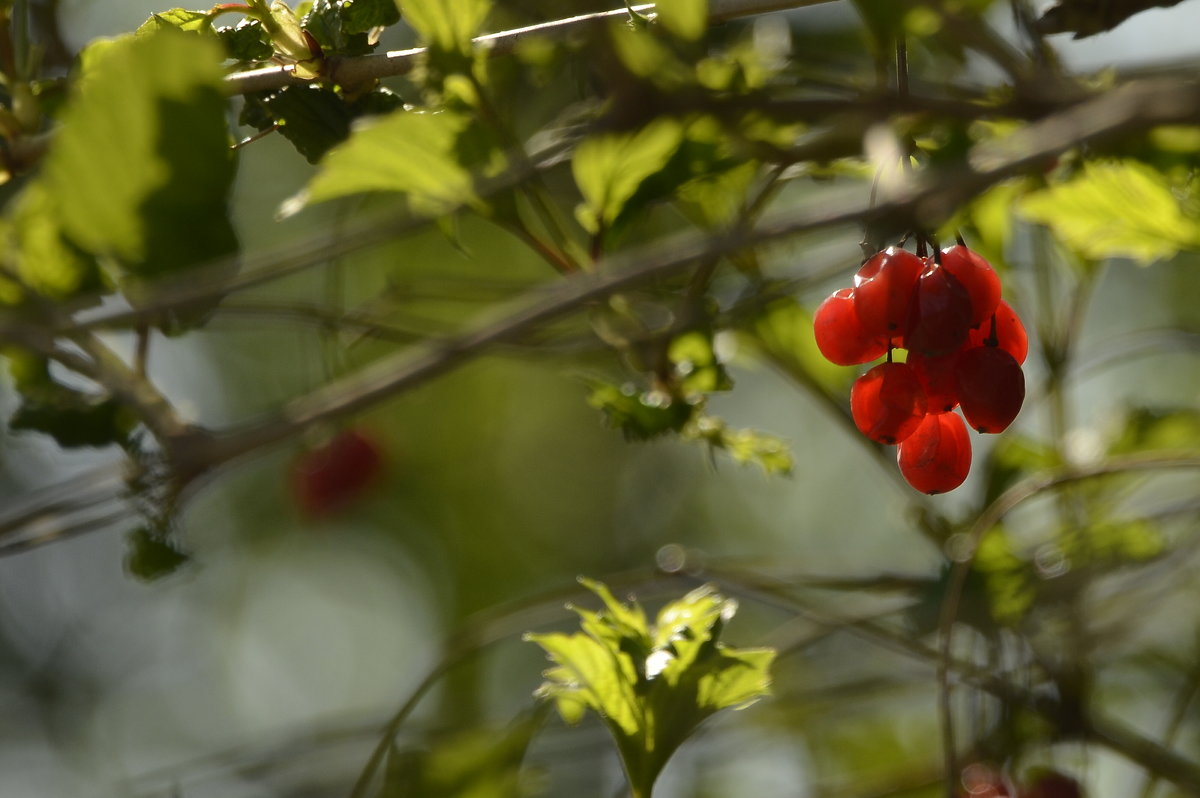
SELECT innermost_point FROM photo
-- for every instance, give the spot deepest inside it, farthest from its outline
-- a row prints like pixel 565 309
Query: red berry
pixel 1052 785
pixel 887 402
pixel 941 315
pixel 978 277
pixel 1010 333
pixel 883 291
pixel 330 477
pixel 936 374
pixel 840 336
pixel 937 456
pixel 991 387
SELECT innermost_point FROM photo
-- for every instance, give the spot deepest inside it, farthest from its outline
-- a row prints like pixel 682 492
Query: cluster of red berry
pixel 965 349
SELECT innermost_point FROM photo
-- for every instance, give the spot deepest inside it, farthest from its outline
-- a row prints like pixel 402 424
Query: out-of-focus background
pixel 266 666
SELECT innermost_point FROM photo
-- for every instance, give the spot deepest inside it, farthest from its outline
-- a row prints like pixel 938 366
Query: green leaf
pixel 696 364
pixel 1115 209
pixel 43 258
pixel 150 556
pixel 687 19
pixel 446 25
pixel 640 416
pixel 141 167
pixel 609 168
pixel 408 152
pixel 652 686
pixel 313 118
pixel 771 454
pixel 361 16
pixel 178 18
pixel 326 21
pixel 246 41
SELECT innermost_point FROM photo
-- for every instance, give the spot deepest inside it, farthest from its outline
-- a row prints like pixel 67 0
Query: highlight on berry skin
pixel 964 347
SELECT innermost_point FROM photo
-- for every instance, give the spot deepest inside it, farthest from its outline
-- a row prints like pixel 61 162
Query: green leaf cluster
pixel 348 27
pixel 1116 209
pixel 640 415
pixel 652 685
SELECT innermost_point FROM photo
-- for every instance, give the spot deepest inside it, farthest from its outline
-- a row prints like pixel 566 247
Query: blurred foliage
pixel 656 202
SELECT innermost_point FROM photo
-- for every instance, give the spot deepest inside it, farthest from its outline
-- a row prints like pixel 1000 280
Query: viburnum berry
pixel 887 402
pixel 991 387
pixel 936 374
pixel 1009 333
pixel 883 292
pixel 840 336
pixel 977 276
pixel 328 478
pixel 1052 784
pixel 941 313
pixel 936 458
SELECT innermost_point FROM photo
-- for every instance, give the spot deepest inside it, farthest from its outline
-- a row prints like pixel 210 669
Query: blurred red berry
pixel 330 477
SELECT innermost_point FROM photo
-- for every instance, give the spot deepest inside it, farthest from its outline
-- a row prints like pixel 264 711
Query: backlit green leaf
pixel 609 167
pixel 141 166
pixel 1115 209
pixel 179 18
pixel 652 686
pixel 408 152
pixel 687 19
pixel 446 25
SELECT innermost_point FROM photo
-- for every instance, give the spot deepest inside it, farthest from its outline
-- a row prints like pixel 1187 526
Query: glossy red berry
pixel 941 315
pixel 887 402
pixel 991 387
pixel 937 457
pixel 936 374
pixel 978 278
pixel 329 478
pixel 1009 333
pixel 840 336
pixel 883 292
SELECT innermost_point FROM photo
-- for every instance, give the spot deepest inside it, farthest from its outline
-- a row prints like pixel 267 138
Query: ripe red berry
pixel 1052 784
pixel 883 290
pixel 887 402
pixel 330 477
pixel 936 374
pixel 941 315
pixel 1010 333
pixel 979 279
pixel 840 336
pixel 937 456
pixel 991 387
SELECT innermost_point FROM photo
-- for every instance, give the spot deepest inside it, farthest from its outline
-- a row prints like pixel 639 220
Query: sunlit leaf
pixel 687 19
pixel 446 25
pixel 411 153
pixel 180 18
pixel 1115 209
pixel 609 167
pixel 652 686
pixel 141 166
